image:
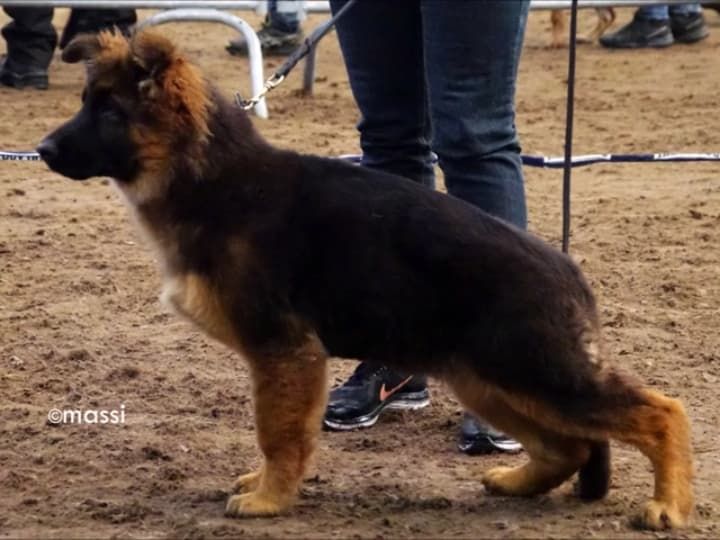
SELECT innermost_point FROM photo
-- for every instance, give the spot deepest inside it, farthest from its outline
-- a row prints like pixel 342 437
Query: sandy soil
pixel 81 327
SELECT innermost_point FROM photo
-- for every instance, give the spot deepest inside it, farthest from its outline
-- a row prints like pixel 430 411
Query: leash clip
pixel 247 104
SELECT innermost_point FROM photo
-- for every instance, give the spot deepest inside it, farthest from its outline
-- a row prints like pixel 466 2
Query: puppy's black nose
pixel 48 150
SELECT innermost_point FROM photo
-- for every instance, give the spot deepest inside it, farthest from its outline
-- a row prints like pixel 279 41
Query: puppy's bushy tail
pixel 594 476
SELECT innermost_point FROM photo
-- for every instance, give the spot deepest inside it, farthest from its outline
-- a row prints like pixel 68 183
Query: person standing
pixel 434 76
pixel 31 40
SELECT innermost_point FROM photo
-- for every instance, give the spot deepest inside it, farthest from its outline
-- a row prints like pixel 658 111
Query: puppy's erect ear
pixel 152 55
pixel 166 79
pixel 152 52
pixel 83 47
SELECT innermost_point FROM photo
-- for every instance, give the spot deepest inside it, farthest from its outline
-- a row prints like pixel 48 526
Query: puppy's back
pixel 390 270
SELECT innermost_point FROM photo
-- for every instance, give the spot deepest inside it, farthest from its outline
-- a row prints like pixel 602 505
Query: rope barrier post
pixel 567 169
pixel 309 72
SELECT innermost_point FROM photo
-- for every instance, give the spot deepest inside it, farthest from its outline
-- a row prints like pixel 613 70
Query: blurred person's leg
pixel 285 15
pixel 472 52
pixel 657 12
pixel 280 34
pixel 93 20
pixel 31 40
pixel 381 43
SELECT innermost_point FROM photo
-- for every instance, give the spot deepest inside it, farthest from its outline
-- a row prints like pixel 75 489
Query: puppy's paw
pixel 501 481
pixel 252 505
pixel 659 515
pixel 247 482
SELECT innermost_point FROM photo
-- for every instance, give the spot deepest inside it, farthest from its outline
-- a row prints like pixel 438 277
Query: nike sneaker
pixel 370 390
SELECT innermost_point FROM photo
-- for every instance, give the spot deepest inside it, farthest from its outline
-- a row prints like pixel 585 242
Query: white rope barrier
pixel 552 162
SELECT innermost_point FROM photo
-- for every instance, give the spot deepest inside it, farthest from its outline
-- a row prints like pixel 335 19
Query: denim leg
pixel 30 36
pixel 381 43
pixel 284 15
pixel 472 51
pixel 658 12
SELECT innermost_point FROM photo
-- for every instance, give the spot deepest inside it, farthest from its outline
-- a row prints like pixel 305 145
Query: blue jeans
pixel 284 15
pixel 663 12
pixel 439 75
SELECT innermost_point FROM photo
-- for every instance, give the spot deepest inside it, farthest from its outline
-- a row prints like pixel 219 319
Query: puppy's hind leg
pixel 290 395
pixel 658 426
pixel 611 406
pixel 653 423
pixel 607 407
pixel 553 457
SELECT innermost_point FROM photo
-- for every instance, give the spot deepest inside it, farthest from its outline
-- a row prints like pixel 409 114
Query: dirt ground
pixel 81 327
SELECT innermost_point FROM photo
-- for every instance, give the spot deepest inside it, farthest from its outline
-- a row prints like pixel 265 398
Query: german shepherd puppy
pixel 290 259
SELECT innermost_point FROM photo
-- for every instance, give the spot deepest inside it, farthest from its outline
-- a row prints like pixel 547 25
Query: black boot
pixel 23 77
pixel 31 40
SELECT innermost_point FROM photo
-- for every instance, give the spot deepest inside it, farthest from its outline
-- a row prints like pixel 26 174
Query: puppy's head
pixel 142 104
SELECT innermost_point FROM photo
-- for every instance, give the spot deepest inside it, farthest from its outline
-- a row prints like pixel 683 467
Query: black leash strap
pixel 567 168
pixel 292 60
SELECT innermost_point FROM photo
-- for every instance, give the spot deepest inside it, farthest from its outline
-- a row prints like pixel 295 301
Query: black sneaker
pixel 689 28
pixel 478 438
pixel 273 42
pixel 371 389
pixel 640 33
pixel 22 78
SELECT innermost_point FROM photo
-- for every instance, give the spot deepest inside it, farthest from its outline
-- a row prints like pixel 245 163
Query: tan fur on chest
pixel 193 297
pixel 147 187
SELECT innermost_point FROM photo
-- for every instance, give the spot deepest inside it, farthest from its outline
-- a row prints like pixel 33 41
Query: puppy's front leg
pixel 290 396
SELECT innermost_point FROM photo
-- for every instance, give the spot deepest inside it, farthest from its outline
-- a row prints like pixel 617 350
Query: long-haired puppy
pixel 558 19
pixel 290 259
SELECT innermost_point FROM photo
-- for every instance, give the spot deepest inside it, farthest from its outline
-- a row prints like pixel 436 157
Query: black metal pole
pixel 570 108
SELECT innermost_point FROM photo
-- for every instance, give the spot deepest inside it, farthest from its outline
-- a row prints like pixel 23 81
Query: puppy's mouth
pixel 70 172
pixel 54 159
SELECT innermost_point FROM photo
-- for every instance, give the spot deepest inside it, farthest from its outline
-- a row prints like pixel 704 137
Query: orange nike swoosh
pixel 384 394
